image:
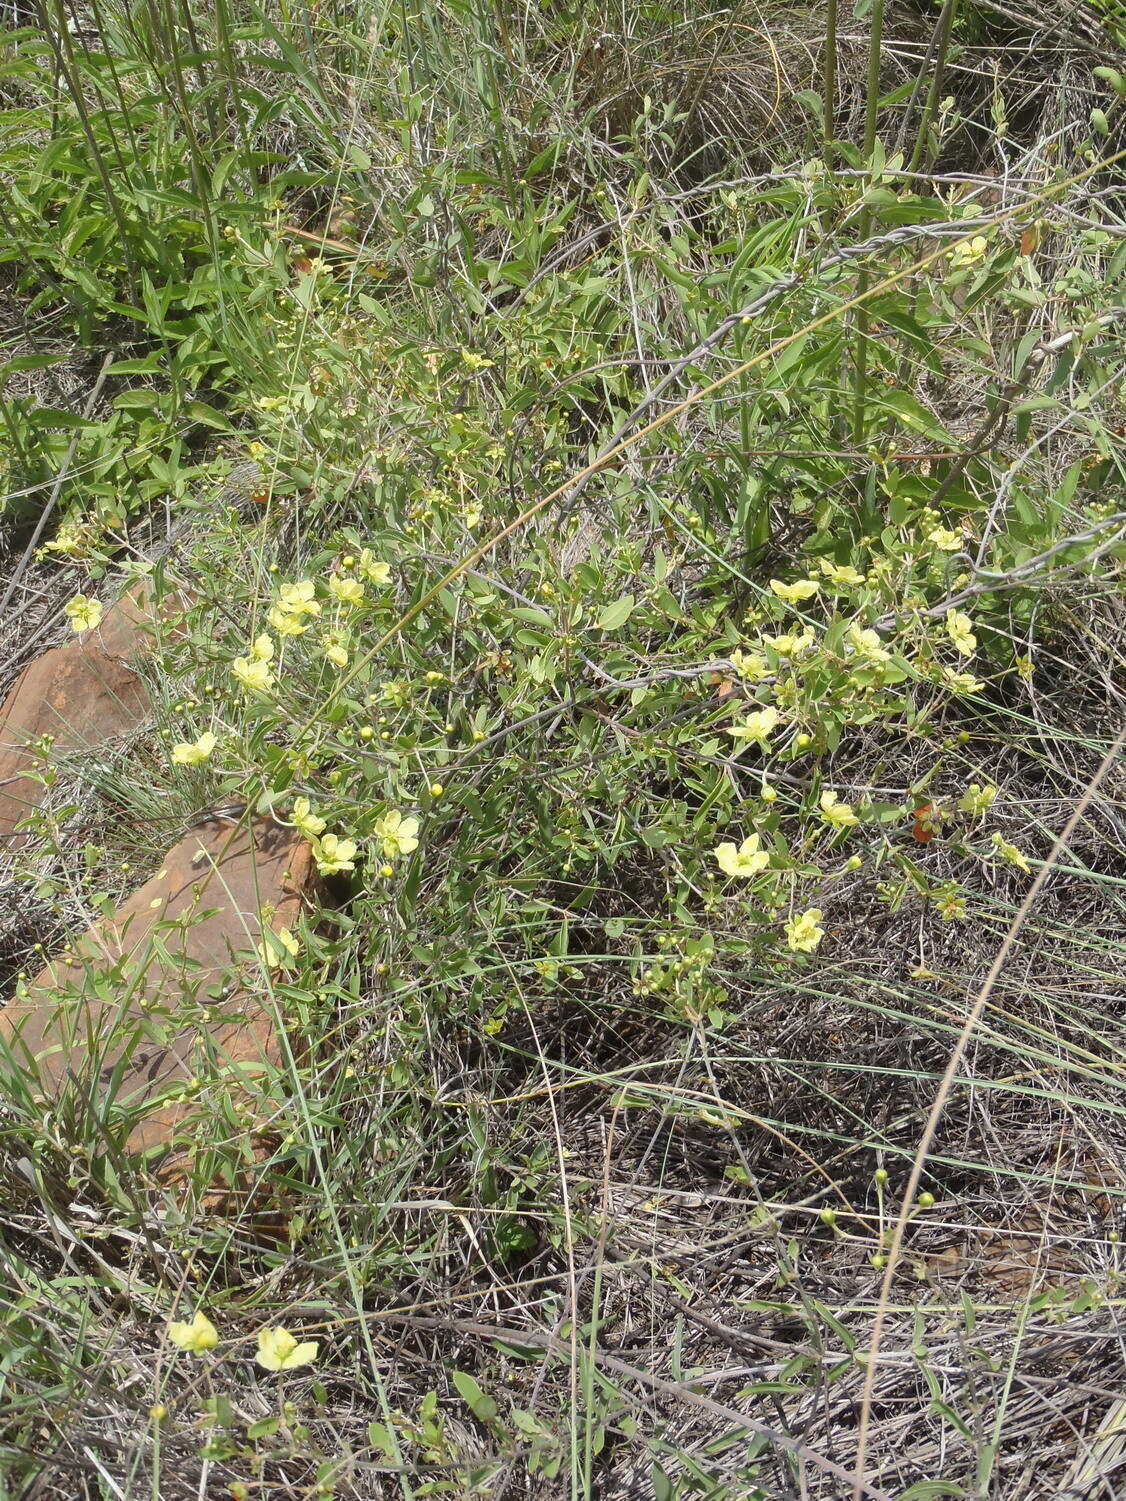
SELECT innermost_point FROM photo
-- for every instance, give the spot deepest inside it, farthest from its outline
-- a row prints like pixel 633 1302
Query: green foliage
pixel 652 548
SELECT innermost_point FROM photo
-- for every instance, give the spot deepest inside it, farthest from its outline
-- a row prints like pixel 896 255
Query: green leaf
pixel 139 400
pixel 199 411
pixel 55 417
pixel 380 1437
pixel 614 616
pixel 483 1408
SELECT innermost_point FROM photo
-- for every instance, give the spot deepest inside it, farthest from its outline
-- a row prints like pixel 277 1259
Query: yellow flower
pixel 284 624
pixel 969 252
pixel 768 792
pixel 794 593
pixel 255 676
pixel 841 573
pixel 370 567
pixel 959 628
pixel 834 812
pixel 758 726
pixel 792 642
pixel 399 834
pixel 278 950
pixel 802 933
pixel 746 860
pixel 304 820
pixel 335 645
pixel 867 643
pixel 201 1334
pixel 84 614
pixel 751 665
pixel 297 599
pixel 962 682
pixel 472 518
pixel 334 855
pixel 347 591
pixel 263 649
pixel 195 753
pixel 977 799
pixel 944 539
pixel 1010 853
pixel 279 1351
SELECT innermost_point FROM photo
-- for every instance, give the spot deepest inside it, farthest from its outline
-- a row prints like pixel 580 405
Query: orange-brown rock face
pixel 154 997
pixel 84 694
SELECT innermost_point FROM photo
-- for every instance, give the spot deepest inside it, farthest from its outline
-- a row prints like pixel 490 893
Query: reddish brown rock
pixel 85 694
pixel 166 991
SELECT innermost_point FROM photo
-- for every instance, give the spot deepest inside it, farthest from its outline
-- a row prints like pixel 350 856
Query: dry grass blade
pixel 942 1095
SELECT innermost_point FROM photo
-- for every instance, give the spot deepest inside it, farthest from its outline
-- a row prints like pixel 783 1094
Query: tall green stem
pixel 860 364
pixel 829 82
pixel 942 47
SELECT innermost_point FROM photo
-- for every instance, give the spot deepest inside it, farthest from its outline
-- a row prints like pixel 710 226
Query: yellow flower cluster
pixel 294 603
pixel 278 1349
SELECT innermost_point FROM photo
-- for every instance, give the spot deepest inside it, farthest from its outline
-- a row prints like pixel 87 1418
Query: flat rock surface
pixel 155 996
pixel 85 694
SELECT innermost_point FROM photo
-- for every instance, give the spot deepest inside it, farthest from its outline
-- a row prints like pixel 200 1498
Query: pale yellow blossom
pixel 751 665
pixel 334 855
pixel 304 820
pixel 841 573
pixel 278 1350
pixel 399 835
pixel 84 614
pixel 790 643
pixel 253 675
pixel 335 645
pixel 796 592
pixel 278 949
pixel 959 627
pixel 194 753
pixel 1010 853
pixel 757 727
pixel 968 253
pixel 201 1334
pixel 347 591
pixel 744 860
pixel 803 933
pixel 285 624
pixel 297 599
pixel 867 643
pixel 834 812
pixel 944 539
pixel 372 568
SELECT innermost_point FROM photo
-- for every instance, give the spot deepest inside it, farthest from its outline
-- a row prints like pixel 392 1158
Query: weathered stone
pixel 83 698
pixel 165 992
pixel 84 694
